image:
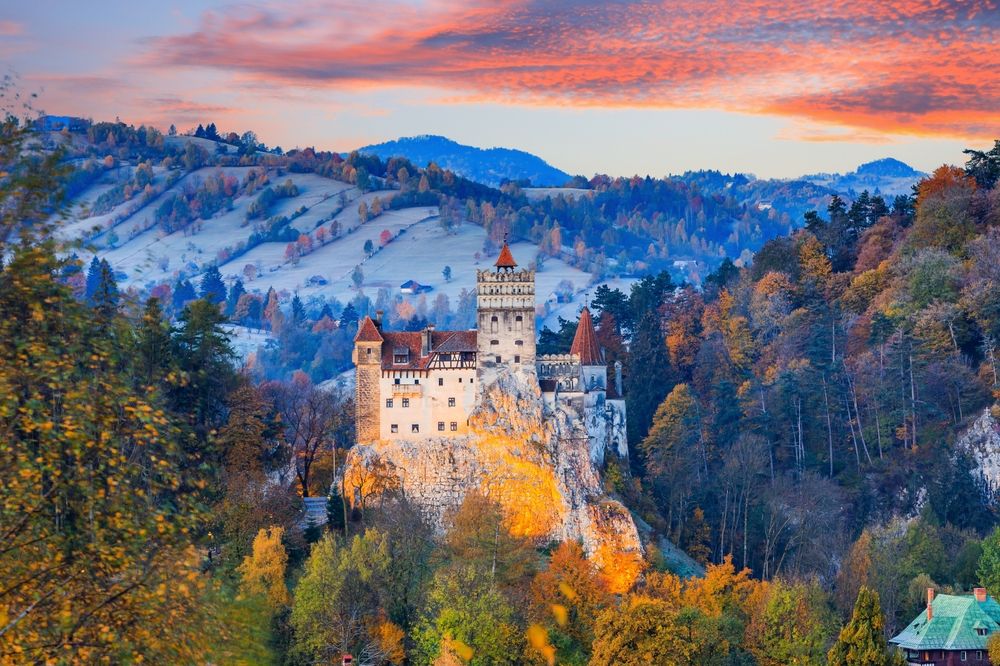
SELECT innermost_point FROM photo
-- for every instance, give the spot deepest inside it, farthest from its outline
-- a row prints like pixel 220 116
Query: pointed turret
pixel 368 331
pixel 506 259
pixel 585 341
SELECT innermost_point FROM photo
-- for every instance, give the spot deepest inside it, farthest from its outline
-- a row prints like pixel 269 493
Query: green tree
pixel 355 622
pixel 462 606
pixel 862 641
pixel 649 378
pixel 989 562
pixel 213 289
pixel 793 625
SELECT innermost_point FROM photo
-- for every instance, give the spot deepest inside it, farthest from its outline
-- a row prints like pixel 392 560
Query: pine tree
pixel 213 289
pixel 93 280
pixel 183 294
pixel 153 355
pixel 349 317
pixel 862 641
pixel 105 297
pixel 235 293
pixel 649 376
pixel 298 311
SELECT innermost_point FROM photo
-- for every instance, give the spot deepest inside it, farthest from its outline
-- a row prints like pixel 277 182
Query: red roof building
pixel 585 341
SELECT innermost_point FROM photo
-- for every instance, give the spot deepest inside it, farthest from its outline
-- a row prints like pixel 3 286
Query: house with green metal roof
pixel 951 631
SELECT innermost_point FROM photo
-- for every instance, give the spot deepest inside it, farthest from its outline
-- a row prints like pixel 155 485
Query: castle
pixel 425 384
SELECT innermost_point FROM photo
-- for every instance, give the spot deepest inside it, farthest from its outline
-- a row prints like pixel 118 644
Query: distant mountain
pixel 487 166
pixel 888 176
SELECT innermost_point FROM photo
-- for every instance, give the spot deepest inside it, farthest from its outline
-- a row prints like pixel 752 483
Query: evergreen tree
pixel 298 311
pixel 183 294
pixel 105 297
pixel 205 360
pixel 235 293
pixel 862 641
pixel 213 289
pixel 93 280
pixel 649 377
pixel 349 317
pixel 153 353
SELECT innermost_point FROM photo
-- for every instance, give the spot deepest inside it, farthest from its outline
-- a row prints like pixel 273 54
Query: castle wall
pixel 423 399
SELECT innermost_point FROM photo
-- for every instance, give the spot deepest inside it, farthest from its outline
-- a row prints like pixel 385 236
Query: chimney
pixel 618 378
pixel 425 340
pixel 378 319
pixel 930 600
pixel 980 593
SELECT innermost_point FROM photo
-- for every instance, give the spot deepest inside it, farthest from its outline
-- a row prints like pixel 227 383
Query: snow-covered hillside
pixel 144 255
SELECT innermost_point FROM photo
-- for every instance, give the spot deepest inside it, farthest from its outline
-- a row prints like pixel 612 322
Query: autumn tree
pixel 862 641
pixel 352 574
pixel 263 571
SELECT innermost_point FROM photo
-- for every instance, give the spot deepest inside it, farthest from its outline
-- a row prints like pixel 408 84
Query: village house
pixel 951 631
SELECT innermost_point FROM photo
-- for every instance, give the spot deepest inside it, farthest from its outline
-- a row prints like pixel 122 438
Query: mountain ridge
pixel 489 166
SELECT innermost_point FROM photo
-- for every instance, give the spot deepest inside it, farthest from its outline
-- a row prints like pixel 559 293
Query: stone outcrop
pixel 547 483
pixel 981 442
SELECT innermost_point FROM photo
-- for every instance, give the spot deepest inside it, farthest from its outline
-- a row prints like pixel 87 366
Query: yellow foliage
pixel 538 639
pixel 390 639
pixel 263 571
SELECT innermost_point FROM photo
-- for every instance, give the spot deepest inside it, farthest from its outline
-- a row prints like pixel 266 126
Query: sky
pixel 776 89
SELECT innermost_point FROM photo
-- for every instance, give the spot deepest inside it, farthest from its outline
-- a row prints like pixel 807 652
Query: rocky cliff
pixel 547 484
pixel 981 442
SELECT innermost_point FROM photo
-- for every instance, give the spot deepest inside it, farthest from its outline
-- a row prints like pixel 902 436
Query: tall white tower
pixel 505 301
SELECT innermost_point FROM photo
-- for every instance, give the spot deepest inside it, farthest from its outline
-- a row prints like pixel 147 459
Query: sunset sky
pixel 775 89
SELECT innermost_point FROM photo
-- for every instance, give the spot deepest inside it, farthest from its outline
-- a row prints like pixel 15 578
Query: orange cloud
pixel 902 66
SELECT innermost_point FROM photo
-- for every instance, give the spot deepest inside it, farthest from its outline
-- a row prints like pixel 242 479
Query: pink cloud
pixel 902 66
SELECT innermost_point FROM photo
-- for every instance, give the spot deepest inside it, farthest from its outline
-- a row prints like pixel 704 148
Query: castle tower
pixel 594 374
pixel 368 361
pixel 506 315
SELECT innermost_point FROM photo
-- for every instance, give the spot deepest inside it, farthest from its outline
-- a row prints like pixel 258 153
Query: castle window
pixel 494 324
pixel 517 359
pixel 499 360
pixel 454 426
pixel 494 342
pixel 388 403
pixel 440 381
pixel 518 322
pixel 451 402
pixel 397 380
pixel 415 427
pixel 369 352
pixel 416 381
pixel 394 428
pixel 459 380
pixel 518 343
pixel 406 402
pixel 441 426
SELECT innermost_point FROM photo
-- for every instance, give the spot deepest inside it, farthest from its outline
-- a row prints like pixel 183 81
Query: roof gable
pixel 953 624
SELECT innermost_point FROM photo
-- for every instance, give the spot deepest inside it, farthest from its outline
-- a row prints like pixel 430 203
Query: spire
pixel 585 340
pixel 506 259
pixel 368 332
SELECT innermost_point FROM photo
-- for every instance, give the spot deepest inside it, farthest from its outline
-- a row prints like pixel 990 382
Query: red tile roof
pixel 441 342
pixel 368 332
pixel 585 341
pixel 506 259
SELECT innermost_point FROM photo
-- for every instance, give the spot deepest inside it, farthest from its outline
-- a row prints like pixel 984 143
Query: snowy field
pixel 535 193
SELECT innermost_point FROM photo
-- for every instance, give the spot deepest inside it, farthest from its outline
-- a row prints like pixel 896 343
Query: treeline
pixel 785 412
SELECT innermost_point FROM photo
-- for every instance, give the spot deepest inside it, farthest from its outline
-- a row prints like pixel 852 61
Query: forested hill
pixel 490 166
pixel 886 176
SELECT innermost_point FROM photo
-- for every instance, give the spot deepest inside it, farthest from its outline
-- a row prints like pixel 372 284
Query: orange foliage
pixel 944 178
